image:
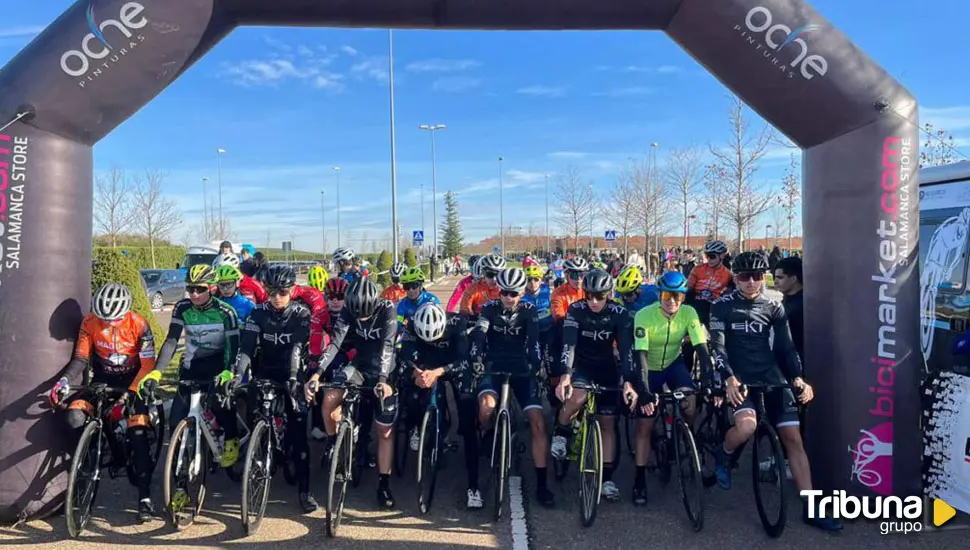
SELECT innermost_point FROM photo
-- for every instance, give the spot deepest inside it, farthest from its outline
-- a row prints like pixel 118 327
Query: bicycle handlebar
pixel 348 386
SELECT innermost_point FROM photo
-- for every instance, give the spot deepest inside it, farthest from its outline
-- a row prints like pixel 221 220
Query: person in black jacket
pixel 788 281
pixel 280 329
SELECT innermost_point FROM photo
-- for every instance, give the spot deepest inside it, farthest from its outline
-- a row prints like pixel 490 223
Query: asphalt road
pixel 731 519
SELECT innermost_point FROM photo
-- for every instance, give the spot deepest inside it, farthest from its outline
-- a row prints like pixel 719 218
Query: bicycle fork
pixel 502 410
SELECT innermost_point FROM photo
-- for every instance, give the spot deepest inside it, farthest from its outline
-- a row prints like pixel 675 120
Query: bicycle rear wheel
pixel 402 447
pixel 428 459
pixel 82 482
pixel 179 481
pixel 256 477
pixel 708 439
pixel 501 462
pixel 591 473
pixel 341 465
pixel 768 470
pixel 661 448
pixel 689 470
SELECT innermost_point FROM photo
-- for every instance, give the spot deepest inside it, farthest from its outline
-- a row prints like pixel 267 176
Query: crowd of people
pixel 552 328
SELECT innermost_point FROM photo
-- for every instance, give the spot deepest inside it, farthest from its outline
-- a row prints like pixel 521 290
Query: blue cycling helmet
pixel 672 281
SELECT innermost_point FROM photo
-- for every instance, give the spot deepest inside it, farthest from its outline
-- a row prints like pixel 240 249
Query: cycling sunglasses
pixel 336 296
pixel 711 255
pixel 278 291
pixel 666 295
pixel 227 284
pixel 412 286
pixel 510 293
pixel 597 296
pixel 751 276
pixel 575 274
pixel 197 289
pixel 490 274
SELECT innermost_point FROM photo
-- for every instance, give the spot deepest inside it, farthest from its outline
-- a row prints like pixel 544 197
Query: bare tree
pixel 938 149
pixel 651 205
pixel 155 215
pixel 712 199
pixel 791 194
pixel 779 219
pixel 113 214
pixel 739 159
pixel 574 208
pixel 683 176
pixel 622 207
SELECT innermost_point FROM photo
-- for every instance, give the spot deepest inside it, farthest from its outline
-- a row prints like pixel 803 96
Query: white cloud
pixel 455 83
pixel 441 65
pixel 951 119
pixel 629 91
pixel 543 91
pixel 567 155
pixel 285 63
pixel 660 69
pixel 18 32
pixel 374 67
pixel 349 50
pixel 304 51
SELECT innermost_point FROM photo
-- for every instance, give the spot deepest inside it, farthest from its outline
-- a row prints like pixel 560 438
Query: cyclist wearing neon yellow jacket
pixel 658 332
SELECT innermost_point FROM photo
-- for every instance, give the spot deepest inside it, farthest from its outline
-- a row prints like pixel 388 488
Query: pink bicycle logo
pixel 872 460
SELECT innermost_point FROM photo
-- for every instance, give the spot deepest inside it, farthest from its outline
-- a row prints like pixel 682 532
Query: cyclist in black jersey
pixel 592 326
pixel 506 339
pixel 368 324
pixel 435 346
pixel 280 329
pixel 743 324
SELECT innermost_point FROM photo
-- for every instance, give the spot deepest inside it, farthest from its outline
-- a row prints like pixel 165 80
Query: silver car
pixel 164 286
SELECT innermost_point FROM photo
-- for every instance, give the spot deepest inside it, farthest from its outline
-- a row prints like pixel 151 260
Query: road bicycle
pixel 434 430
pixel 673 444
pixel 104 444
pixel 504 443
pixel 266 451
pixel 196 448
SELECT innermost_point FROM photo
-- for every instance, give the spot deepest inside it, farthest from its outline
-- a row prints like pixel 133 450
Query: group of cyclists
pixel 552 338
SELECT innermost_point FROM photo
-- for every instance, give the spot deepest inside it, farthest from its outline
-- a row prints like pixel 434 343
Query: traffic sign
pixel 610 235
pixel 496 250
pixel 417 236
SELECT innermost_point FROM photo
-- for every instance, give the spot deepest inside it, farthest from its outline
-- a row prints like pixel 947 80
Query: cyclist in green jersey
pixel 211 343
pixel 658 332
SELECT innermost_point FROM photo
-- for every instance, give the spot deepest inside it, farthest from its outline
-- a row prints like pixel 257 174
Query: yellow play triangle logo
pixel 942 512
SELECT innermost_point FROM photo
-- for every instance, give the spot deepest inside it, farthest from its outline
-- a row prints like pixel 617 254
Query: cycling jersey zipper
pixel 663 357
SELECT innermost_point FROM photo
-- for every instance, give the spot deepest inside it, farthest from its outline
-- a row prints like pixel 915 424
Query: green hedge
pixel 110 266
pixel 166 257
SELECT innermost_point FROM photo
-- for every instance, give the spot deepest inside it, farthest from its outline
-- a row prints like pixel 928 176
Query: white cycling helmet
pixel 396 271
pixel 343 254
pixel 715 247
pixel 576 264
pixel 491 262
pixel 226 259
pixel 430 322
pixel 111 302
pixel 512 279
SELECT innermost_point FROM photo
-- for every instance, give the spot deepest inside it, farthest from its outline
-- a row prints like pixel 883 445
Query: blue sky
pixel 288 104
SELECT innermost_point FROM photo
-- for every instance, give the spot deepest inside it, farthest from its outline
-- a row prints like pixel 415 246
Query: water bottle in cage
pixel 211 420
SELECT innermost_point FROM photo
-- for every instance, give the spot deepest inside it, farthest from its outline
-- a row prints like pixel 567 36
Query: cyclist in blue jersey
pixel 557 267
pixel 632 293
pixel 343 260
pixel 227 283
pixel 537 293
pixel 413 282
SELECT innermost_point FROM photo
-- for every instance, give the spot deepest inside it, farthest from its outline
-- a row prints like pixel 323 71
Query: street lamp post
pixel 205 208
pixel 336 170
pixel 390 62
pixel 591 221
pixel 501 206
pixel 222 223
pixel 432 128
pixel 422 208
pixel 650 178
pixel 687 238
pixel 767 227
pixel 548 249
pixel 323 219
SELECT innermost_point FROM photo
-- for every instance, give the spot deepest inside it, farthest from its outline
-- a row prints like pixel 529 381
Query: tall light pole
pixel 591 220
pixel 336 170
pixel 323 219
pixel 767 227
pixel 205 208
pixel 687 239
pixel 548 249
pixel 390 63
pixel 222 222
pixel 422 207
pixel 501 206
pixel 652 173
pixel 432 128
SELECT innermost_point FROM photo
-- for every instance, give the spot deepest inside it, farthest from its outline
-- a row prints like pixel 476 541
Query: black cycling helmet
pixel 280 276
pixel 747 262
pixel 362 298
pixel 597 280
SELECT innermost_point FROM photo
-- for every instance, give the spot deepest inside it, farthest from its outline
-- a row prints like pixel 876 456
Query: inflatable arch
pixel 102 60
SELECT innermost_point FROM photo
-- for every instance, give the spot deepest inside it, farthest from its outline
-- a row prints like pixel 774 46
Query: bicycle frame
pixel 216 446
pixel 503 409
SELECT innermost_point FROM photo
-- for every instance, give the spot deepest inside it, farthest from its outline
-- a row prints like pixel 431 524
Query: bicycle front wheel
pixel 184 492
pixel 591 473
pixel 691 480
pixel 256 477
pixel 768 467
pixel 340 471
pixel 428 450
pixel 82 482
pixel 501 462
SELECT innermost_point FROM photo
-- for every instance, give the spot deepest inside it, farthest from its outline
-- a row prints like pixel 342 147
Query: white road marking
pixel 517 515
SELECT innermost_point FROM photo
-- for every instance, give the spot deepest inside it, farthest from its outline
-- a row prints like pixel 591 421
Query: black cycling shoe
pixel 385 499
pixel 639 496
pixel 308 503
pixel 146 512
pixel 545 497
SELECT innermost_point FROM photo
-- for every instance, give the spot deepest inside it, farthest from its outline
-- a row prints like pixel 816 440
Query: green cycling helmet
pixel 412 275
pixel 227 273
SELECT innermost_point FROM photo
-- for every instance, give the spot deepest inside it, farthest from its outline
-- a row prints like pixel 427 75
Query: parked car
pixel 164 286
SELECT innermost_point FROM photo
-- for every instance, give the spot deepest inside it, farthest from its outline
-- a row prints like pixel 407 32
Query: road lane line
pixel 517 516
